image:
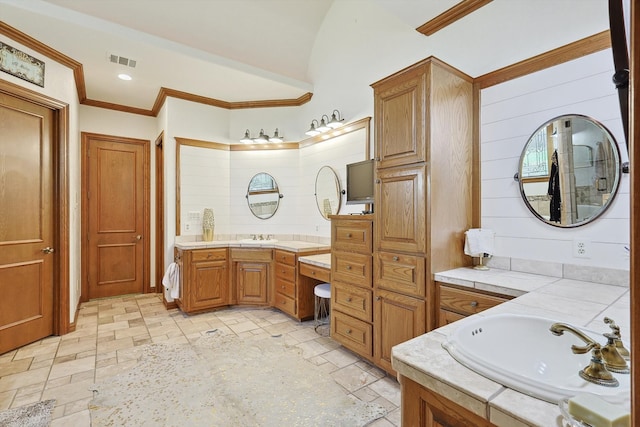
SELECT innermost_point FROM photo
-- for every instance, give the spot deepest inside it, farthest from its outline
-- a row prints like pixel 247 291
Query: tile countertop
pixel 424 360
pixel 322 260
pixel 287 245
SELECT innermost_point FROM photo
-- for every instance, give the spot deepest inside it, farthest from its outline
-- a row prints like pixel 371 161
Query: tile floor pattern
pixel 63 368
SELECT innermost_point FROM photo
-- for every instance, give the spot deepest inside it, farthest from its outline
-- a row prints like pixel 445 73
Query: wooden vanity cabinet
pixel 423 195
pixel 294 283
pixel 422 407
pixel 458 302
pixel 252 269
pixel 351 282
pixel 204 279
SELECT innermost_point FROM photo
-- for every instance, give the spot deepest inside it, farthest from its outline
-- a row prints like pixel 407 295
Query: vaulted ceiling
pixel 252 50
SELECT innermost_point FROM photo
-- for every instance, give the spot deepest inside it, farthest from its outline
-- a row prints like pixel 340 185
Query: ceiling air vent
pixel 122 60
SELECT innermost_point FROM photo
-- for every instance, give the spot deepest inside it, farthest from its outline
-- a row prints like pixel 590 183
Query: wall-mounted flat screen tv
pixel 360 182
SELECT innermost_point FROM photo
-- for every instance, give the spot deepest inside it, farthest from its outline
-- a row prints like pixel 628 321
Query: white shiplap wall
pixel 218 179
pixel 510 113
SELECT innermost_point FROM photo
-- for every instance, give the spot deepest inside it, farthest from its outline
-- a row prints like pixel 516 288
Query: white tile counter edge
pixel 580 303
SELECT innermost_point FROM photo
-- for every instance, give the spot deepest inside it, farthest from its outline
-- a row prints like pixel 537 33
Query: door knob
pixel 48 250
pixel 139 237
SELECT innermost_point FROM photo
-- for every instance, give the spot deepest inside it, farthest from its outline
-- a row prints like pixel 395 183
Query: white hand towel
pixel 171 280
pixel 478 241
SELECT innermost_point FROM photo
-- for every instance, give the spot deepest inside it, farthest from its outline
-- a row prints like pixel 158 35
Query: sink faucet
pixel 596 372
pixel 618 338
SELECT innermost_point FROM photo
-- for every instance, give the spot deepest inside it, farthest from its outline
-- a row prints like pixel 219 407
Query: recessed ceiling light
pixel 124 76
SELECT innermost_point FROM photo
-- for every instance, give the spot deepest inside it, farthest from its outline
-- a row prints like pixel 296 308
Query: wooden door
pixel 116 216
pixel 401 223
pixel 252 282
pixel 397 318
pixel 26 222
pixel 399 103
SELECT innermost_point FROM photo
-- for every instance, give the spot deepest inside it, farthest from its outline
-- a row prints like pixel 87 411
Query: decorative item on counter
pixel 208 224
pixel 478 243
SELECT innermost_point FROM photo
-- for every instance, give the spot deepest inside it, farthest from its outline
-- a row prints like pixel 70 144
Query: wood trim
pixel 118 107
pixel 476 182
pixel 160 206
pixel 178 212
pixel 451 15
pixel 166 92
pixel 270 146
pixel 201 143
pixel 577 49
pixel 163 93
pixel 61 287
pixel 634 156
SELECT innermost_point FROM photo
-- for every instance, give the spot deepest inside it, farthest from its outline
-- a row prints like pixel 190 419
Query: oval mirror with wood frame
pixel 327 192
pixel 263 195
pixel 569 171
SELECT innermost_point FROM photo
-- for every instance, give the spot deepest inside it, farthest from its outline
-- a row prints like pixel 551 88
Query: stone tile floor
pixel 64 368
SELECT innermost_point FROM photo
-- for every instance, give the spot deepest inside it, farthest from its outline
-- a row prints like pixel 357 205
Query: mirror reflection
pixel 263 196
pixel 569 171
pixel 327 192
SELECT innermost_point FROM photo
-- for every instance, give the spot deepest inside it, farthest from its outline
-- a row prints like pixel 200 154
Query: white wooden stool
pixel 322 299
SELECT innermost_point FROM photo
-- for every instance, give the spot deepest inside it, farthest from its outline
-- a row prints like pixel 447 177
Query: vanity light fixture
pixel 312 130
pixel 262 138
pixel 325 124
pixel 247 138
pixel 336 121
pixel 276 137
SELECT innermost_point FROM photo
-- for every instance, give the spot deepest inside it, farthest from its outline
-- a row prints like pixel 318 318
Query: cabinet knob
pixel 283 286
pixel 474 304
pixel 377 181
pixel 348 234
pixel 349 299
pixel 395 258
pixel 378 298
pixel 348 267
pixel 348 331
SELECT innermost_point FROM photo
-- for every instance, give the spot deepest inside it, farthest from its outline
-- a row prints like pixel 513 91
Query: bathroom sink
pixel 257 242
pixel 521 353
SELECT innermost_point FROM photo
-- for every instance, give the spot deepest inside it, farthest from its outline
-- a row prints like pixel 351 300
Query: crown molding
pixel 451 15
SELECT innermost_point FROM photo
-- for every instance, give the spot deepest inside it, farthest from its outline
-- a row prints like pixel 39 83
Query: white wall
pixel 510 113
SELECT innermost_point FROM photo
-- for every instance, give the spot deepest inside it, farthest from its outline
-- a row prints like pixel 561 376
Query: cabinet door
pixel 401 210
pixel 253 279
pixel 399 104
pixel 422 407
pixel 209 286
pixel 396 318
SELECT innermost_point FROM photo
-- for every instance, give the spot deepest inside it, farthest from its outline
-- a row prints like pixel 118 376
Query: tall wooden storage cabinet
pixel 423 195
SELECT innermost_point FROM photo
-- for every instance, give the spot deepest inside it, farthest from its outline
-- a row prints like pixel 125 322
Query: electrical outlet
pixel 187 227
pixel 581 248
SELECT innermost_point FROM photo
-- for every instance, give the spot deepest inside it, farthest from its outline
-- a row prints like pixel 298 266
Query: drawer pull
pixel 313 272
pixel 474 304
pixel 209 255
pixel 348 234
pixel 349 299
pixel 282 286
pixel 349 331
pixel 348 267
pixel 395 258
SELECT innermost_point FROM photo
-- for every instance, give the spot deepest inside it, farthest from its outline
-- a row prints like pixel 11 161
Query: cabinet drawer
pixel 352 235
pixel 400 273
pixel 238 254
pixel 285 257
pixel 351 267
pixel 316 272
pixel 285 287
pixel 286 304
pixel 352 300
pixel 354 334
pixel 445 317
pixel 466 302
pixel 208 255
pixel 286 272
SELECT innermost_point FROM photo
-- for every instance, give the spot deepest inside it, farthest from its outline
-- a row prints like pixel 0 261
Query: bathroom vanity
pixel 221 273
pixel 437 390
